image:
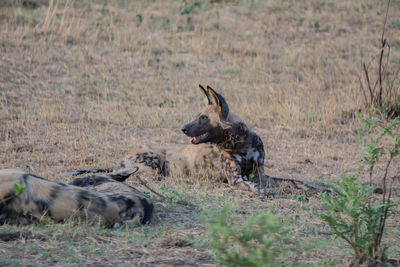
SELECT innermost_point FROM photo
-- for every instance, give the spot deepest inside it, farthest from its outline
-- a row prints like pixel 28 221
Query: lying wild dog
pixel 97 198
pixel 221 141
pixel 221 145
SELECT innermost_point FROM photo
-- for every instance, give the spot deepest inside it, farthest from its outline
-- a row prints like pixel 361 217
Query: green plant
pixel 261 240
pixel 353 214
pixel 302 198
pixel 170 194
pixel 189 8
pixel 352 210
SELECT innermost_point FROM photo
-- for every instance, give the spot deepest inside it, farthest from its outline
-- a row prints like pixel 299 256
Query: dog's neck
pixel 234 137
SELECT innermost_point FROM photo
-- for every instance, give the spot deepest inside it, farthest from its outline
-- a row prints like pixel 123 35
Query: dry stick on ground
pixel 303 185
pixel 148 187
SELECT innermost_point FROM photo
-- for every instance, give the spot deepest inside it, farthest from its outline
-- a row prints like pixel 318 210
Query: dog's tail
pixel 91 171
pixel 119 175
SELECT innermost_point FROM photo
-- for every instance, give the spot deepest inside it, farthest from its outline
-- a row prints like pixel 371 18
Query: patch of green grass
pixel 140 236
pixel 190 8
pixel 172 195
pixel 50 257
pixel 198 240
pixel 396 24
pixel 15 262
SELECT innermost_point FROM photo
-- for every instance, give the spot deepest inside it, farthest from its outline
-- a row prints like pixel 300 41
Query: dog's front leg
pixel 233 173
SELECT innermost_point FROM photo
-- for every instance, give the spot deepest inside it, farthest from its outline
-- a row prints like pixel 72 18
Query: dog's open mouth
pixel 198 139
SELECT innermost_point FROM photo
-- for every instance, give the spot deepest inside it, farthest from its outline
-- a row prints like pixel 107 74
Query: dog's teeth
pixel 197 138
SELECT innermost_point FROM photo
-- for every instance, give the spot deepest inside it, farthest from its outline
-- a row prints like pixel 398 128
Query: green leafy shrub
pixel 354 215
pixel 352 211
pixel 261 240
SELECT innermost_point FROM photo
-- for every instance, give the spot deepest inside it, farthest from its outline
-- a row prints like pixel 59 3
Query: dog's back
pixel 61 201
pixel 175 160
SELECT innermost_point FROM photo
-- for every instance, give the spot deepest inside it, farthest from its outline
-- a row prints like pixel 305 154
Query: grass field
pixel 83 81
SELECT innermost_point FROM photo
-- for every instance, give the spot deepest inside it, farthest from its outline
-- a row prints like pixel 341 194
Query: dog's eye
pixel 203 117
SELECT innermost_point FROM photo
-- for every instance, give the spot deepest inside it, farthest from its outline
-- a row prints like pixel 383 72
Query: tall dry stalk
pixel 383 91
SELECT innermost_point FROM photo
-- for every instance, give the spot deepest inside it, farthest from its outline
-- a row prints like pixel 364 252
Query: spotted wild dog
pixel 241 150
pixel 220 142
pixel 222 146
pixel 96 198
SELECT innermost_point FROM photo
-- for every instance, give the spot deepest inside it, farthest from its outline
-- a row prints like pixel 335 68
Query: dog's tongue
pixel 194 139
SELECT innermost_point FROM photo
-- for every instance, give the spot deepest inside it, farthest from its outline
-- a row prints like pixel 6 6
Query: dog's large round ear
pixel 206 93
pixel 218 100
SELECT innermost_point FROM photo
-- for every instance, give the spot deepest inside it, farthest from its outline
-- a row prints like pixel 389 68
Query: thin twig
pixel 368 82
pixel 386 212
pixel 383 217
pixel 363 90
pixel 383 42
pixel 380 72
pixel 145 185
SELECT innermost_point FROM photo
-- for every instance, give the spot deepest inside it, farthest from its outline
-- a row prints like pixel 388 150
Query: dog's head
pixel 209 125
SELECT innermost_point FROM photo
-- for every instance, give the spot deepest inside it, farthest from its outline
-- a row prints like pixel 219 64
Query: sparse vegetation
pixel 83 81
pixel 261 240
pixel 352 211
pixel 354 215
pixel 170 194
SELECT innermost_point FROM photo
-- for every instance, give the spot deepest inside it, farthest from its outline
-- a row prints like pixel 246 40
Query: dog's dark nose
pixel 184 129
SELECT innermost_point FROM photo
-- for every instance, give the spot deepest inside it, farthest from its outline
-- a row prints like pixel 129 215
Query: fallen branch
pixel 148 187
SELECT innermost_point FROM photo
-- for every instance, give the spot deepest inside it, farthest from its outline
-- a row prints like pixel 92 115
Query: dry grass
pixel 80 81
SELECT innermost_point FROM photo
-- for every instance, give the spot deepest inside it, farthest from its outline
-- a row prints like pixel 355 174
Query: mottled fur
pixel 178 159
pixel 96 198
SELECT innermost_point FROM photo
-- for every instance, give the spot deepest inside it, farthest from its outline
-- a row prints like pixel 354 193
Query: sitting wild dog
pixel 241 150
pixel 221 141
pixel 96 198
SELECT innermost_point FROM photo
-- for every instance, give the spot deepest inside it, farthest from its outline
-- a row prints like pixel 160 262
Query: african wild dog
pixel 97 198
pixel 222 146
pixel 220 141
pixel 241 150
